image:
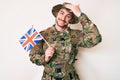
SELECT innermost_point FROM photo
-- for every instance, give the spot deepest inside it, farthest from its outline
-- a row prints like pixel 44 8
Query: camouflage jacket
pixel 66 47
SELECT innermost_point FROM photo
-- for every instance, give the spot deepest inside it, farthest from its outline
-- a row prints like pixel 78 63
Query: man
pixel 58 58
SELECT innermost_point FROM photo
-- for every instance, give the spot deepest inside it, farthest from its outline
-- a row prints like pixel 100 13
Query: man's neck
pixel 61 29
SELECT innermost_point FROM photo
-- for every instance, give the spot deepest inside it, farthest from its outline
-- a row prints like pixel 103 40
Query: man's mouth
pixel 63 21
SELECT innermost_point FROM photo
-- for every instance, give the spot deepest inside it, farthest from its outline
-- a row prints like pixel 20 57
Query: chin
pixel 62 25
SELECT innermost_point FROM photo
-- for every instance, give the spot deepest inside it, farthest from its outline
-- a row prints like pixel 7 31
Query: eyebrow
pixel 67 14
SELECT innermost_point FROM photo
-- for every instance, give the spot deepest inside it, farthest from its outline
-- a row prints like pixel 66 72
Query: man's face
pixel 63 18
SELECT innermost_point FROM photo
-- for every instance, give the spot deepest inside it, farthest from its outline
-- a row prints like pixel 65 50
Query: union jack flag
pixel 30 39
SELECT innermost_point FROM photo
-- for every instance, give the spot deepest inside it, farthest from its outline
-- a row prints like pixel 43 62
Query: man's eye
pixel 61 13
pixel 69 16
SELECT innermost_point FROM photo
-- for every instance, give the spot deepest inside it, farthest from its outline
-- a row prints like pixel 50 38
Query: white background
pixel 101 62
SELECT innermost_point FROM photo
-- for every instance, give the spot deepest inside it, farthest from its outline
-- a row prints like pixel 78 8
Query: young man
pixel 58 58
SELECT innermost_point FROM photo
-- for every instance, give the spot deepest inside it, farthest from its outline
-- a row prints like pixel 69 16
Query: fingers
pixel 69 6
pixel 74 8
pixel 49 53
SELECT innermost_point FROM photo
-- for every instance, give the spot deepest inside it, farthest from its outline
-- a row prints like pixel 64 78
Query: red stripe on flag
pixel 29 39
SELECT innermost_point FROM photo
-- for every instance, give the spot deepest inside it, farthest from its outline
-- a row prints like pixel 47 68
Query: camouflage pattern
pixel 66 44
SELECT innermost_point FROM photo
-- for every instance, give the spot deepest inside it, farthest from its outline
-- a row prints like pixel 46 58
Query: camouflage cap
pixel 56 9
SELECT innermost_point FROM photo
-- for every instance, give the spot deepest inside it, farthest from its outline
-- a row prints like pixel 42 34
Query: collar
pixel 55 31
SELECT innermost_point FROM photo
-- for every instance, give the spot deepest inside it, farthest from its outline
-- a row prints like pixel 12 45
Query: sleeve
pixel 90 35
pixel 37 54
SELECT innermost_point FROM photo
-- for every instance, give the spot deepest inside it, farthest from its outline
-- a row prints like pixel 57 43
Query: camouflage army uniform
pixel 66 44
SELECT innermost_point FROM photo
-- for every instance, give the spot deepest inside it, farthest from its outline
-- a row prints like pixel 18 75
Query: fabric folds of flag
pixel 30 39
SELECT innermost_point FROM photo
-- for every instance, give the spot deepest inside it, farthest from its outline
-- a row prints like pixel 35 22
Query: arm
pixel 40 54
pixel 37 54
pixel 90 34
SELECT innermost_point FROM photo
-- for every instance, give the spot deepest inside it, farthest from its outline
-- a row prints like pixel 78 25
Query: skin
pixel 62 20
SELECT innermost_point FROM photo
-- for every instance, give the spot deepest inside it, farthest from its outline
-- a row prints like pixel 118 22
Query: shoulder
pixel 75 32
pixel 46 32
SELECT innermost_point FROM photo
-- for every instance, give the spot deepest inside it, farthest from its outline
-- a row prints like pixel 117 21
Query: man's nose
pixel 63 17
